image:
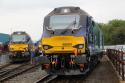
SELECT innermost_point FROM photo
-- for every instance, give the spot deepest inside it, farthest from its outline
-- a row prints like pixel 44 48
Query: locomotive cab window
pixel 18 38
pixel 64 21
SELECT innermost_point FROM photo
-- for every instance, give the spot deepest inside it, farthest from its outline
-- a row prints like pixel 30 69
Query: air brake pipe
pixel 75 51
pixel 46 66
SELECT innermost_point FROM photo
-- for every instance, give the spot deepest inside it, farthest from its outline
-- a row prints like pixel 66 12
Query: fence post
pixel 119 56
pixel 122 66
pixel 115 54
pixel 116 58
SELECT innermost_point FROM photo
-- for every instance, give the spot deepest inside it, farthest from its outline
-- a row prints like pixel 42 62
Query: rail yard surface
pixel 103 73
pixel 29 77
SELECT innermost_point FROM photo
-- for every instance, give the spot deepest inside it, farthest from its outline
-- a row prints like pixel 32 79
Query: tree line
pixel 114 32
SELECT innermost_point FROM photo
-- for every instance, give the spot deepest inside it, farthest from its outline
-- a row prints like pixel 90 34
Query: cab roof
pixel 67 10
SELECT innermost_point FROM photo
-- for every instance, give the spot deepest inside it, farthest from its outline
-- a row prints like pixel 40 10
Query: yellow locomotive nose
pixel 18 47
pixel 63 44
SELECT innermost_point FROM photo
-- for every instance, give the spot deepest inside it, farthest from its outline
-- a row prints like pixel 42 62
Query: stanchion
pixel 122 66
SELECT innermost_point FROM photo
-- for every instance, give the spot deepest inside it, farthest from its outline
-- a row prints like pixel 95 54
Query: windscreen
pixel 64 21
pixel 18 38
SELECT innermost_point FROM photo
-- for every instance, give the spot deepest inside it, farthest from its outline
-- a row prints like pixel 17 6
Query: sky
pixel 28 15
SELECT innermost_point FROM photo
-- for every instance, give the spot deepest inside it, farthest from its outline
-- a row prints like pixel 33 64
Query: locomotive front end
pixel 19 46
pixel 65 52
pixel 63 45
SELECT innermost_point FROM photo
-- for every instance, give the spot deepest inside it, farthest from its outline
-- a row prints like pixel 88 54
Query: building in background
pixel 4 40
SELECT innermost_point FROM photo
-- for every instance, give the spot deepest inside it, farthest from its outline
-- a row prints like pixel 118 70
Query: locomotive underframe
pixel 68 64
pixel 19 56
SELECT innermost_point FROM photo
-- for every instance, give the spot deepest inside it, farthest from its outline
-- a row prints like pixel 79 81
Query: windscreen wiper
pixel 71 24
pixel 50 29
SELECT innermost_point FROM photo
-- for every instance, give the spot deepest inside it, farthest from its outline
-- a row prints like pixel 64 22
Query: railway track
pixel 68 79
pixel 12 72
pixel 1 67
pixel 7 68
pixel 46 79
pixel 61 79
pixel 71 78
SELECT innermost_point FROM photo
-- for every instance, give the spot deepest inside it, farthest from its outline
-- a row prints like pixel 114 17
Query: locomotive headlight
pixel 79 46
pixel 39 45
pixel 46 47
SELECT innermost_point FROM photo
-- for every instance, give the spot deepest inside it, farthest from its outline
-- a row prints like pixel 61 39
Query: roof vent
pixel 65 10
pixel 77 8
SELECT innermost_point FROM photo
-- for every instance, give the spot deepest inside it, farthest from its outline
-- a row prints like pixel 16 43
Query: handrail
pixel 118 61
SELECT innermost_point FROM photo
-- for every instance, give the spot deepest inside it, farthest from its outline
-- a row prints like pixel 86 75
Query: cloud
pixel 28 15
pixel 26 20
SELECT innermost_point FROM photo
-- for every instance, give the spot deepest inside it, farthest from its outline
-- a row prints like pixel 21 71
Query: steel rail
pixel 47 78
pixel 17 71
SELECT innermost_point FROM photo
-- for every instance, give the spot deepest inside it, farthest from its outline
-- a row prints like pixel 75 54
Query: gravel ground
pixel 4 59
pixel 29 77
